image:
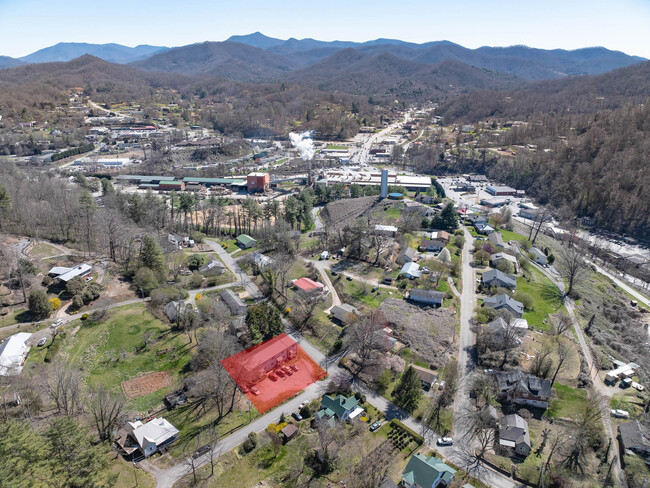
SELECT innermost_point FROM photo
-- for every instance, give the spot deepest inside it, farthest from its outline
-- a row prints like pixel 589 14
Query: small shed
pixel 289 432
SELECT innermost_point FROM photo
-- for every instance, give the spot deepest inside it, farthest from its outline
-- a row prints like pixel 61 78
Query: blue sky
pixel 29 25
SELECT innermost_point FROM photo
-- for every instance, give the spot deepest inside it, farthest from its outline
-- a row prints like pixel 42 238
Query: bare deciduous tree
pixel 107 409
pixel 63 386
pixel 571 266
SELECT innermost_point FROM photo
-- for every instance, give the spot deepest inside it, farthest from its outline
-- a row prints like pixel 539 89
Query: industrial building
pixel 410 182
pixel 500 191
pixel 256 182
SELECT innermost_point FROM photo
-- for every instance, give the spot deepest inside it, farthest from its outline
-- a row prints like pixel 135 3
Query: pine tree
pixel 152 257
pixel 408 391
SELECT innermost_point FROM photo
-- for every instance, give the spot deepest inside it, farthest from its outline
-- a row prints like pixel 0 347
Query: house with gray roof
pixel 635 438
pixel 406 255
pixel 540 257
pixel 514 437
pixel 426 471
pixel 236 304
pixel 525 389
pixel 174 310
pixel 497 257
pixel 212 268
pixel 496 239
pixel 431 245
pixel 426 297
pixel 498 279
pixel 342 313
pixel 505 302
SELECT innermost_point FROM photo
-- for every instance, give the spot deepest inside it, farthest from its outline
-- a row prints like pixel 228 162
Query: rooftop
pixel 306 284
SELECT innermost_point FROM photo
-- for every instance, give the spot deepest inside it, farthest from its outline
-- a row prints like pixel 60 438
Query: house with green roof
pixel 245 241
pixel 426 472
pixel 339 407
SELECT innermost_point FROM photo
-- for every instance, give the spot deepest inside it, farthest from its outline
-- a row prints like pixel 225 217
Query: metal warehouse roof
pixel 145 178
pixel 213 181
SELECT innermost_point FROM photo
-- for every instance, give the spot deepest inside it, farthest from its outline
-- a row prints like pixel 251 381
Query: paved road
pixel 321 266
pixel 466 340
pixel 318 223
pixel 602 391
pixel 638 296
pixel 234 268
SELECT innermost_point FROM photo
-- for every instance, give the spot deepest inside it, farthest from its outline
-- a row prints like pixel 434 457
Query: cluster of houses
pixel 421 470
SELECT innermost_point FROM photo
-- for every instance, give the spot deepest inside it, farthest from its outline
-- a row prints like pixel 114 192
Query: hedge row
pixel 73 152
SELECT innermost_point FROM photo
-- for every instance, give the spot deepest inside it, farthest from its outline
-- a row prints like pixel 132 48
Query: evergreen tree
pixel 73 460
pixel 152 257
pixel 39 305
pixel 447 219
pixel 408 391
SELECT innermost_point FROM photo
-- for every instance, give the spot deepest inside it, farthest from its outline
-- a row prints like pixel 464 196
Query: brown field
pixel 146 384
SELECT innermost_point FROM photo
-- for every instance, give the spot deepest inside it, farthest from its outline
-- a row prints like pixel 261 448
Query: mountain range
pixel 256 57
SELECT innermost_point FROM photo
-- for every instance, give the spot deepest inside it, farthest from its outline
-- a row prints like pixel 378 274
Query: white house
pixel 411 271
pixel 385 230
pixel 13 353
pixel 153 435
pixel 540 257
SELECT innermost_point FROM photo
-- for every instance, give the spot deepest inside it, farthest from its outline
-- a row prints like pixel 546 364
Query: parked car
pixel 445 441
pixel 295 368
pixel 244 389
pixel 58 322
pixel 425 269
pixel 626 383
pixel 296 416
pixel 273 376
pixel 442 385
pixel 302 405
pixel 42 342
pixel 201 450
pixel 334 273
pixel 388 281
pixel 287 370
pixel 375 288
pixel 255 391
pixel 349 278
pixel 620 414
pixel 375 426
pixel 280 373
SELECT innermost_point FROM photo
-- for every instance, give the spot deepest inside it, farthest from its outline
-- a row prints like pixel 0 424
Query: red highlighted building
pixel 273 371
pixel 308 286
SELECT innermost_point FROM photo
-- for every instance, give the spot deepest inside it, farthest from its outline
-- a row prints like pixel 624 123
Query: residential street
pixel 458 454
pixel 234 268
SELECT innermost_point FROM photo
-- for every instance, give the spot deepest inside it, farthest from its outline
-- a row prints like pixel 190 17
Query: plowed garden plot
pixel 143 385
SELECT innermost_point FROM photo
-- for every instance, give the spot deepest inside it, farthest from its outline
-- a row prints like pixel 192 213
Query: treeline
pixel 73 152
pixel 573 95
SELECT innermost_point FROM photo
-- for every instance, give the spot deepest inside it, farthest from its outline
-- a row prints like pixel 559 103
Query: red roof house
pixel 308 286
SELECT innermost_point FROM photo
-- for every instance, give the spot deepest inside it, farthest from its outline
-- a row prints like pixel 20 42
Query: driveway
pixel 234 268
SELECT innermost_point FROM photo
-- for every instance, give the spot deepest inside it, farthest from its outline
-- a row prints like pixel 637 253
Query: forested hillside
pixel 583 94
pixel 589 165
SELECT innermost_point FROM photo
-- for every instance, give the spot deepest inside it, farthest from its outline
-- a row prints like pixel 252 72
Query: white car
pixel 58 322
pixel 445 441
pixel 42 342
pixel 620 414
pixel 302 405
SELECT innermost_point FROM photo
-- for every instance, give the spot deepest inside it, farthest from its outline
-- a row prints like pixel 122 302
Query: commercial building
pixel 258 182
pixel 255 363
pixel 500 191
pixel 411 182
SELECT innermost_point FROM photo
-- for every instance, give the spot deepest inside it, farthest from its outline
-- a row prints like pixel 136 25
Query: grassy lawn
pixel 42 250
pixel 360 292
pixel 567 402
pixel 628 399
pixel 508 236
pixel 14 317
pixel 393 213
pixel 107 352
pixel 126 477
pixel 230 245
pixel 545 297
pixel 335 146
